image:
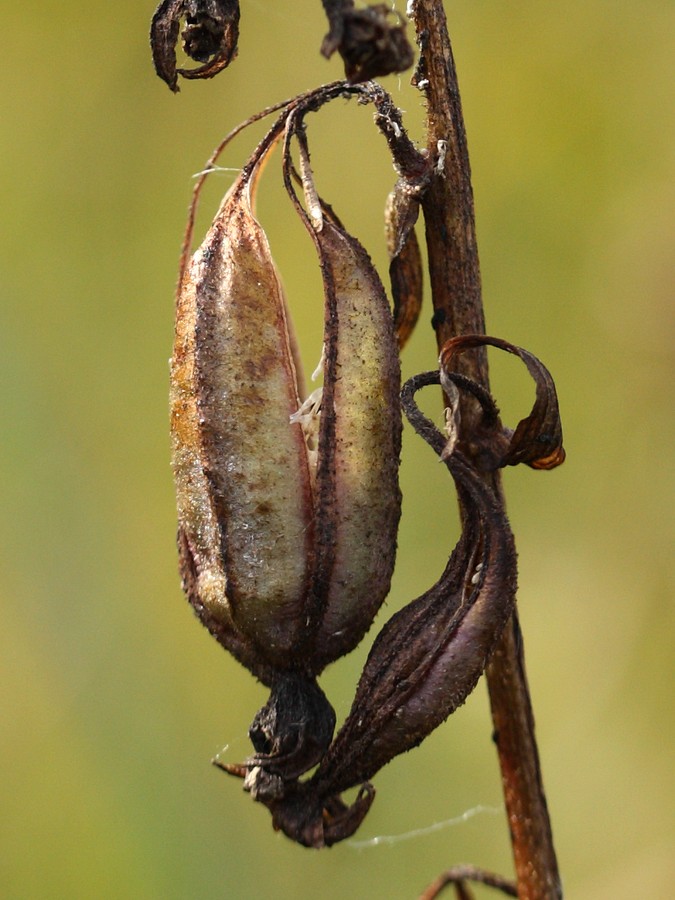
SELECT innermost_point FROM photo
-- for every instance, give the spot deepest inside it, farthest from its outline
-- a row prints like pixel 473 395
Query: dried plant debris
pixel 537 439
pixel 371 41
pixel 209 36
pixel 405 258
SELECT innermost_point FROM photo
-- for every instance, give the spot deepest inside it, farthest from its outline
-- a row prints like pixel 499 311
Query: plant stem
pixel 458 309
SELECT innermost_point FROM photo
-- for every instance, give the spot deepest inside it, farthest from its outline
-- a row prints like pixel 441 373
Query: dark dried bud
pixel 369 44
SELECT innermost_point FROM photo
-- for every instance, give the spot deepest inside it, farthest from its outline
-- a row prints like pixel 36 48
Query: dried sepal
pixel 537 439
pixel 405 258
pixel 370 44
pixel 210 36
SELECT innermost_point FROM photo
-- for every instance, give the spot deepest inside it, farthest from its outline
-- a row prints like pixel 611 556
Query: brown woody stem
pixel 458 309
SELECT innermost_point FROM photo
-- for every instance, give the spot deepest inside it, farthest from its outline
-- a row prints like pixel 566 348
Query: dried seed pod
pixel 357 494
pixel 234 391
pixel 359 442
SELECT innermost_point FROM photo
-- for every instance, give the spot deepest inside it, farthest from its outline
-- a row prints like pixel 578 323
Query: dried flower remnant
pixel 370 43
pixel 284 505
pixel 210 36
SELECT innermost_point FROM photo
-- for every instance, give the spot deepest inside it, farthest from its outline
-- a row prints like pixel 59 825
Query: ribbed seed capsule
pixel 254 489
pixel 358 501
pixel 288 549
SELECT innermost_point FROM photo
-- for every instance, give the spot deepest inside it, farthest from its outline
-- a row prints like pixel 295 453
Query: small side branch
pixel 459 875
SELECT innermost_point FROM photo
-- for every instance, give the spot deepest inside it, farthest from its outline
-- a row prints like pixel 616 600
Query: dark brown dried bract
pixel 369 44
pixel 210 36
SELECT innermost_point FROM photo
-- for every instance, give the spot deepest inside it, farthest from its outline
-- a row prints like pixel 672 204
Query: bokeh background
pixel 114 698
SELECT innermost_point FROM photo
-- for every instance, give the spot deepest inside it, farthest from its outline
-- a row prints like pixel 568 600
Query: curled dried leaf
pixel 537 439
pixel 210 36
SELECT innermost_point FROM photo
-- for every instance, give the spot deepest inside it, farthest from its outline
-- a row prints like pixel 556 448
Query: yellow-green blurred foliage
pixel 114 698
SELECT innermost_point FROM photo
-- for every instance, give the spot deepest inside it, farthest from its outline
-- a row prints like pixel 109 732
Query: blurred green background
pixel 114 698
